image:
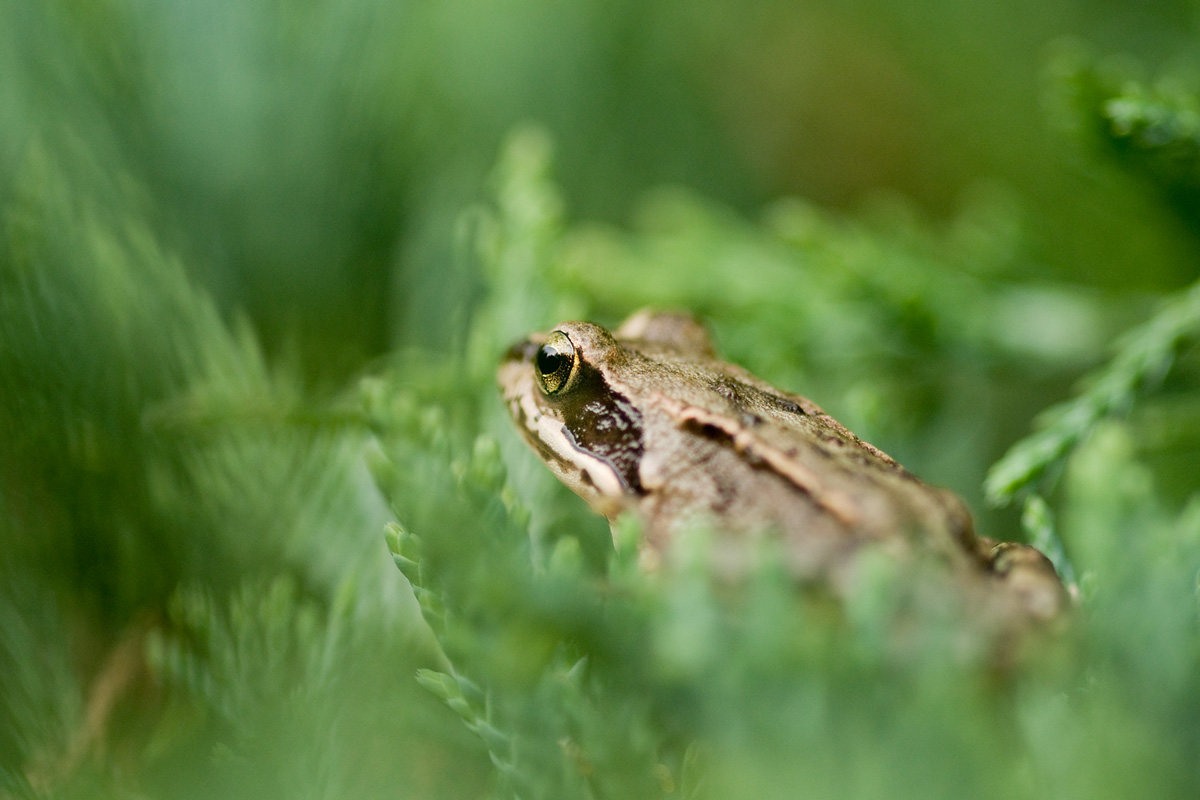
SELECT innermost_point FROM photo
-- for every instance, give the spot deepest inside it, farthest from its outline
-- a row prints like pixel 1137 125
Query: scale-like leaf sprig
pixel 1029 469
pixel 1144 356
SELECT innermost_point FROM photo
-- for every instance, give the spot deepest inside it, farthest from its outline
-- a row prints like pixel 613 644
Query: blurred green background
pixel 253 249
pixel 309 159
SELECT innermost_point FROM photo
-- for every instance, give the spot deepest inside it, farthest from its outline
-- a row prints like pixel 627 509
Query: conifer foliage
pixel 266 530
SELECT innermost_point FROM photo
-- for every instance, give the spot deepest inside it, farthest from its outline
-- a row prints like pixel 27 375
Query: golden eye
pixel 555 363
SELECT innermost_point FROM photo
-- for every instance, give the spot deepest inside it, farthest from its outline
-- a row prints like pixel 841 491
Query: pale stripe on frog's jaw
pixel 591 476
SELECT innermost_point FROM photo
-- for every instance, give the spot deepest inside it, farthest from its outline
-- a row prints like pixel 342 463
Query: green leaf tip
pixel 1144 356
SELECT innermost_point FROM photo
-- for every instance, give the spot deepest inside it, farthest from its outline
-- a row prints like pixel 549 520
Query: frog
pixel 647 420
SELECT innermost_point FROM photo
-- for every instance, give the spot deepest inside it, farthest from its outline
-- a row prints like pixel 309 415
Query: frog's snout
pixel 523 350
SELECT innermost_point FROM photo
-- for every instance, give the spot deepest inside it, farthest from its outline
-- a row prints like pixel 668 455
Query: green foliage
pixel 1152 130
pixel 1140 364
pixel 41 693
pixel 251 304
pixel 1144 355
pixel 280 688
pixel 560 665
pixel 110 351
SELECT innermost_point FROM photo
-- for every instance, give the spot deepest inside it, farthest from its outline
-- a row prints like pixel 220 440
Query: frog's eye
pixel 555 363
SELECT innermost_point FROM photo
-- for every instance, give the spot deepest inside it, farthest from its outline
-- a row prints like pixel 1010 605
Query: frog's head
pixel 563 390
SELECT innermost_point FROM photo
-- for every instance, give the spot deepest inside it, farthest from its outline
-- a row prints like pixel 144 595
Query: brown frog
pixel 648 420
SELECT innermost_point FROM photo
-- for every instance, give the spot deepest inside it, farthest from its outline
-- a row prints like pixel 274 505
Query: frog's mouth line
pixel 626 487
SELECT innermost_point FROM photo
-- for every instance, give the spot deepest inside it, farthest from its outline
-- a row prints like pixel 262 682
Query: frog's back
pixel 751 458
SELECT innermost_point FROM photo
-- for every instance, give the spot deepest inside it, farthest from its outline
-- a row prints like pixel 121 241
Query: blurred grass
pixel 219 218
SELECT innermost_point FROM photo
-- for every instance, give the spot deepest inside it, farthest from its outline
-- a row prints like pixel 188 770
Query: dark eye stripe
pixel 604 424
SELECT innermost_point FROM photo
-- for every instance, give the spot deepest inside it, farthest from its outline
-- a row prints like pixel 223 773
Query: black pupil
pixel 550 360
